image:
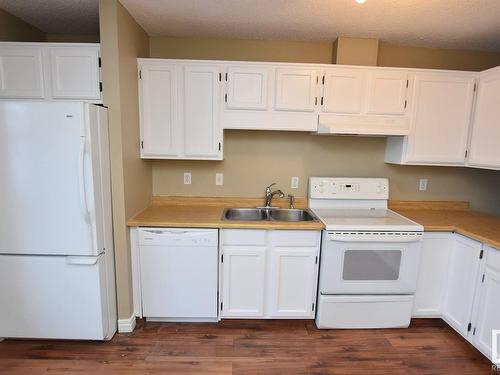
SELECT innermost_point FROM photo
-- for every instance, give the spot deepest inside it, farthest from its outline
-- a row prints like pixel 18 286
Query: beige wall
pixel 122 41
pixel 72 38
pixel 254 159
pixel 240 49
pixel 14 29
pixel 432 58
pixel 355 51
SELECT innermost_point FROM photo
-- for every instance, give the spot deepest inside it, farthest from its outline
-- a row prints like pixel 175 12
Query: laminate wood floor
pixel 429 346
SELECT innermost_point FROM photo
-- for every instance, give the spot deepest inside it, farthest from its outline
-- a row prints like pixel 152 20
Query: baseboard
pixel 126 325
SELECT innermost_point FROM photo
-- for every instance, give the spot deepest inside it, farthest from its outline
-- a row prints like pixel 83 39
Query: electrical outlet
pixel 187 178
pixel 219 179
pixel 422 186
pixel 294 183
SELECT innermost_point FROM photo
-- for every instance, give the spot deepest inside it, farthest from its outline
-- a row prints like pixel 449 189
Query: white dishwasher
pixel 178 274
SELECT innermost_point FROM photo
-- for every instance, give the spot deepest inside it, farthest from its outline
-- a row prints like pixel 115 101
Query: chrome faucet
pixel 270 194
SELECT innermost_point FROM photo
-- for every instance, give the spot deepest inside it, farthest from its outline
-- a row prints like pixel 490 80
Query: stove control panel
pixel 348 188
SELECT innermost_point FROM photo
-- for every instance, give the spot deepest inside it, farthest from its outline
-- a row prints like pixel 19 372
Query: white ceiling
pixel 470 24
pixel 57 16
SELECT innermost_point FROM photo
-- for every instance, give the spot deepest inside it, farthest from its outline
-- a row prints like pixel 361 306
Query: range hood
pixel 364 125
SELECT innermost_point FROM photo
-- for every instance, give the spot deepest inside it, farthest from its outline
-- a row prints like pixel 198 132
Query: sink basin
pixel 291 215
pixel 246 214
pixel 262 214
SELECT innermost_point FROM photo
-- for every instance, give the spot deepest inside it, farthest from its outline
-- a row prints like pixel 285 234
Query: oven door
pixel 369 262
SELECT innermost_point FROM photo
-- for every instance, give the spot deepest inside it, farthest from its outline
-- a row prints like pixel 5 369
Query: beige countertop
pixel 452 217
pixel 207 212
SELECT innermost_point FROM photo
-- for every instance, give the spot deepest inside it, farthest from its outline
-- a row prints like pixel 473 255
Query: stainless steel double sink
pixel 268 214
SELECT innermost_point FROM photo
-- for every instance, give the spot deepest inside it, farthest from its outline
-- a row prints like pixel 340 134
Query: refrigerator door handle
pixel 82 261
pixel 81 177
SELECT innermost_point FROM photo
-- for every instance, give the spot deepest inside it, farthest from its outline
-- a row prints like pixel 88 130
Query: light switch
pixel 294 184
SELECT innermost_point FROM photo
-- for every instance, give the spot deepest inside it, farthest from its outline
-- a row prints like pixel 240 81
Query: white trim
pixel 126 325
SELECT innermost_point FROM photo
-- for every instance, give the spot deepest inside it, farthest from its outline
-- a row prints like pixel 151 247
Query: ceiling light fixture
pixel 360 1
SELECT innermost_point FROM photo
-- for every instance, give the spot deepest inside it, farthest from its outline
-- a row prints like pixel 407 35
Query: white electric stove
pixel 369 256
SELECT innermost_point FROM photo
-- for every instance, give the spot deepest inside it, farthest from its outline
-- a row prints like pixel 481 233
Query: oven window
pixel 371 264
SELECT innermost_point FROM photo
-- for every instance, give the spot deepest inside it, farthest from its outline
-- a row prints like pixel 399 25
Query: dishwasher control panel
pixel 348 188
pixel 178 237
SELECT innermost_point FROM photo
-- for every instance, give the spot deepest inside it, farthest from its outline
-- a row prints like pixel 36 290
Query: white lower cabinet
pixel 292 281
pixel 487 310
pixel 459 280
pixel 269 273
pixel 244 270
pixel 460 286
pixel 431 284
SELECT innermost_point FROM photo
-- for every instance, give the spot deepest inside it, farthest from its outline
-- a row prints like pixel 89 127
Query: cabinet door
pixel 296 90
pixel 461 282
pixel 243 280
pixel 21 74
pixel 440 118
pixel 484 150
pixel 202 130
pixel 159 111
pixel 387 92
pixel 487 317
pixel 343 91
pixel 431 282
pixel 75 72
pixel 292 282
pixel 246 87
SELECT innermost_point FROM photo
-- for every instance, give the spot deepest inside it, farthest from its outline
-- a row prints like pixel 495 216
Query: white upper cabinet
pixel 365 91
pixel 202 132
pixel 484 145
pixel 75 72
pixel 387 92
pixel 343 91
pixel 440 117
pixel 296 89
pixel 159 114
pixel 50 71
pixel 21 72
pixel 246 87
pixel 460 287
pixel 179 110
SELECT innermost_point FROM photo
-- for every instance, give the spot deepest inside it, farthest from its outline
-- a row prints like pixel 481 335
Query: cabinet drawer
pixel 246 237
pixel 493 260
pixel 295 238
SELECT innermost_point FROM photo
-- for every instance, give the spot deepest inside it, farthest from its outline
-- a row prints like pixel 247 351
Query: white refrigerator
pixel 57 276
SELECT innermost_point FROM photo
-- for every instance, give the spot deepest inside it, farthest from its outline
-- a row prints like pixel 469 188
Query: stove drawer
pixel 364 311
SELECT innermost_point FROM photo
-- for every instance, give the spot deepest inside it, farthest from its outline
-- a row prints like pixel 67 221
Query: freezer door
pixel 54 297
pixel 46 200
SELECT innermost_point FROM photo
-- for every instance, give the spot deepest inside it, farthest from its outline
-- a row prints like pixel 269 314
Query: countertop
pixel 207 212
pixel 452 217
pixel 193 212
